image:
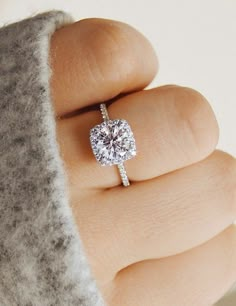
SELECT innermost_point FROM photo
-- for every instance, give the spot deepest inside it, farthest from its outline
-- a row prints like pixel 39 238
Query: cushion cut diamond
pixel 112 142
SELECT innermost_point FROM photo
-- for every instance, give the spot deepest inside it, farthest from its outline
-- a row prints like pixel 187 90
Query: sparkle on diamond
pixel 112 142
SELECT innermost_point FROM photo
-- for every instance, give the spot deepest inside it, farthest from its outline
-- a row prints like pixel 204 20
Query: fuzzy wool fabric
pixel 41 256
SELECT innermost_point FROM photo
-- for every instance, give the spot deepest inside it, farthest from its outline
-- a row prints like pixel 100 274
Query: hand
pixel 168 239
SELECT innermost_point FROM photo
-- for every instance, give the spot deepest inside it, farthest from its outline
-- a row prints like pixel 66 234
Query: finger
pixel 95 60
pixel 160 217
pixel 197 278
pixel 173 126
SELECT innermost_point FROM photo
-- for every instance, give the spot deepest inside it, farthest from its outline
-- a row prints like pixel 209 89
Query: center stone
pixel 112 142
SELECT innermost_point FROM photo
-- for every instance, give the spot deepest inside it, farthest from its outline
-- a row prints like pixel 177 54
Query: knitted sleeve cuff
pixel 41 256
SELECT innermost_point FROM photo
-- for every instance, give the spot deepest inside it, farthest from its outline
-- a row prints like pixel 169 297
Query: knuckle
pixel 225 174
pixel 232 181
pixel 199 119
pixel 230 242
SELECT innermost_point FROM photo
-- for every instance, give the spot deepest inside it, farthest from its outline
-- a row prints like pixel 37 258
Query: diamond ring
pixel 113 143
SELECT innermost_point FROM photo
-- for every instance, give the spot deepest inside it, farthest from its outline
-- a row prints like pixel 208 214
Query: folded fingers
pixel 199 277
pixel 159 217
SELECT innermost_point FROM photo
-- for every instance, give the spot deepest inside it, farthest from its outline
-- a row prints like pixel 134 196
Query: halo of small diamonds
pixel 112 142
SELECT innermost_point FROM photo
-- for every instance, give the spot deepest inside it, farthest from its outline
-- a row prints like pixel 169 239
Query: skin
pixel 168 239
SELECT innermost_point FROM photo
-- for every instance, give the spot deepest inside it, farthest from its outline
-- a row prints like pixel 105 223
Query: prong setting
pixel 112 142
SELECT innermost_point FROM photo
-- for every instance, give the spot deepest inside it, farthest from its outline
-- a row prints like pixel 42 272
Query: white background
pixel 194 39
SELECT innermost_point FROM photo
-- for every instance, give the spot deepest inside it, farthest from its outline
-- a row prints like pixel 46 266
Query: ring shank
pixel 104 112
pixel 123 174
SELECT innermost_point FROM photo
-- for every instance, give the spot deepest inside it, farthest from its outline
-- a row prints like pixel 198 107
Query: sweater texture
pixel 42 261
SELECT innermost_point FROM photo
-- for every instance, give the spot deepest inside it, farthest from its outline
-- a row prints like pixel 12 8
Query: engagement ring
pixel 113 143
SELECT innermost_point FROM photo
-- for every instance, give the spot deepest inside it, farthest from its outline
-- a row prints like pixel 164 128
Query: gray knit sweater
pixel 41 257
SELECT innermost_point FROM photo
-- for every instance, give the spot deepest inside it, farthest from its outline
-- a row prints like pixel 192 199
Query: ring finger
pixel 173 126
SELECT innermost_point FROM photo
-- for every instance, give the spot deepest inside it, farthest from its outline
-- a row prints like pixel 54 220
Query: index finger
pixel 94 60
